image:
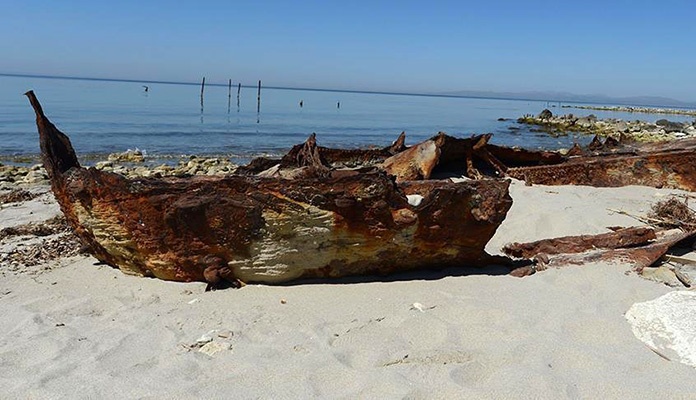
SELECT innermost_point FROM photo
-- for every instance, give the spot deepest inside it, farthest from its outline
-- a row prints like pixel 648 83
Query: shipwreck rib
pixel 674 169
pixel 631 246
pixel 608 164
pixel 472 157
pixel 622 238
pixel 322 223
pixel 330 157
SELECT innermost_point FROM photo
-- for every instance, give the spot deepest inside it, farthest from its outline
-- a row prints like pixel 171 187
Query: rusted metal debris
pixel 604 164
pixel 627 237
pixel 319 222
pixel 612 164
pixel 632 249
pixel 641 247
pixel 333 158
pixel 473 157
pixel 608 163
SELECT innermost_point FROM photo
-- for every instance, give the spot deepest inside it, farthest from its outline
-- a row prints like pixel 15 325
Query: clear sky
pixel 611 47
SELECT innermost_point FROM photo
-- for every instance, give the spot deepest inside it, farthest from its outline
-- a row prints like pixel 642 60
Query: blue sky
pixel 616 48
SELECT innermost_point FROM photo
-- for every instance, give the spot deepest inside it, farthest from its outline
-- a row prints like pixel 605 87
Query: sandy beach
pixel 73 328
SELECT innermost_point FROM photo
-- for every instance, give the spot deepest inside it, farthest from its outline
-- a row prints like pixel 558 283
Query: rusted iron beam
pixel 663 169
pixel 627 237
pixel 638 257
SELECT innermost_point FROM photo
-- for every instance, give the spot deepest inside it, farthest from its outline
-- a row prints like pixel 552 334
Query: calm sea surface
pixel 102 117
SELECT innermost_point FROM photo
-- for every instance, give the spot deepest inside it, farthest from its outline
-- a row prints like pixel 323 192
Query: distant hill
pixel 652 101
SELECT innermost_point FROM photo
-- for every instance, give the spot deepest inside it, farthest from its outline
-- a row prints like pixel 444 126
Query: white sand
pixel 83 331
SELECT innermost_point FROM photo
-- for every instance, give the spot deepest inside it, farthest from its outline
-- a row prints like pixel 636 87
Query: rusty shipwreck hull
pixel 331 157
pixel 608 164
pixel 322 223
pixel 661 165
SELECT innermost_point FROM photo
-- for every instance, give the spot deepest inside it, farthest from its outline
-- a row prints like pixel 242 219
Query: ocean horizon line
pixel 330 90
pixel 165 82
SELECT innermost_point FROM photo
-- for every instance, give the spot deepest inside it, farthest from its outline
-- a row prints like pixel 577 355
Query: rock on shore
pixel 26 175
pixel 35 174
pixel 192 166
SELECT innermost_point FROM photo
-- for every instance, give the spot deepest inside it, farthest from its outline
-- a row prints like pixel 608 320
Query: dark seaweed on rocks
pixel 49 227
pixel 48 249
pixel 54 239
pixel 17 195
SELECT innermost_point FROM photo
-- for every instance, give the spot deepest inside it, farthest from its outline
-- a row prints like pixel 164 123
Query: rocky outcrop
pixel 133 156
pixel 636 109
pixel 640 131
pixel 13 174
pixel 193 165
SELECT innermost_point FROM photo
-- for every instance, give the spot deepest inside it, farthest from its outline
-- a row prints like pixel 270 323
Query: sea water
pixel 168 120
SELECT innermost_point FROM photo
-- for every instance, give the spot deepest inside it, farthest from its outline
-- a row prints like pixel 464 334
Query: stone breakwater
pixel 642 131
pixel 631 109
pixel 129 167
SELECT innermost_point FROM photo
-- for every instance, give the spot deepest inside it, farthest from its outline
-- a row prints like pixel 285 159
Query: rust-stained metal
pixel 416 162
pixel 329 156
pixel 627 237
pixel 346 157
pixel 321 212
pixel 604 164
pixel 612 164
pixel 638 256
pixel 320 223
pixel 472 157
pixel 668 169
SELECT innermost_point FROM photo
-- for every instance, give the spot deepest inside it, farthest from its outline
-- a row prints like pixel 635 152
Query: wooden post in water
pixel 229 95
pixel 202 88
pixel 239 90
pixel 258 99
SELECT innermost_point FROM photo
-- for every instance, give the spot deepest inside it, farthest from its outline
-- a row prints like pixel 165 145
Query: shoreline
pixel 137 163
pixel 128 164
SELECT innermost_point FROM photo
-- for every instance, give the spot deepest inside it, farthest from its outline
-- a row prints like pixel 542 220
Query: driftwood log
pixel 320 223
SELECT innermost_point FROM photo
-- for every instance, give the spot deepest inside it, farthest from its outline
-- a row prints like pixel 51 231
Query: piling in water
pixel 258 99
pixel 239 90
pixel 229 95
pixel 202 88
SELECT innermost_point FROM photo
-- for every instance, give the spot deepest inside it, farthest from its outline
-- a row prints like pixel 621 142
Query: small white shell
pixel 204 339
